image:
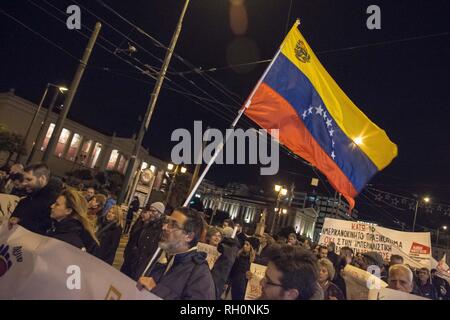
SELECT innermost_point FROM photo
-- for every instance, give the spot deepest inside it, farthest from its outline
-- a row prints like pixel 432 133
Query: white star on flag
pixel 304 115
pixel 325 115
pixel 310 110
pixel 333 155
pixel 329 123
pixel 331 132
pixel 319 110
pixel 332 143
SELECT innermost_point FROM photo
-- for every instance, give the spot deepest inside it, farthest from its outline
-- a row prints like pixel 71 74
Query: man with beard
pixel 185 274
pixel 90 193
pixel 33 211
pixel 143 242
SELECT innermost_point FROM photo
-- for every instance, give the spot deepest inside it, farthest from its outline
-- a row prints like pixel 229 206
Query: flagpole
pixel 151 262
pixel 233 125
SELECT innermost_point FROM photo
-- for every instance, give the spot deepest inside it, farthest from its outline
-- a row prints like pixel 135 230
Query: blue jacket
pixel 189 278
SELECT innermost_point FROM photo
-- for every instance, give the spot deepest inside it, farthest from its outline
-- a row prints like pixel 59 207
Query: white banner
pixel 359 282
pixel 362 237
pixel 37 267
pixel 254 289
pixel 390 294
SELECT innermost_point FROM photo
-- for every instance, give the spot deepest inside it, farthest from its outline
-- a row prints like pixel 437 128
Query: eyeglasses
pixel 267 281
pixel 172 224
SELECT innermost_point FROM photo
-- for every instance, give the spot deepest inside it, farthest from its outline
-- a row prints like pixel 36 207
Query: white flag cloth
pixel 37 267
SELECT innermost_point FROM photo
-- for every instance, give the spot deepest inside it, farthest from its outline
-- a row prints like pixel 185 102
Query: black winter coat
pixel 427 290
pixel 189 278
pixel 134 206
pixel 34 210
pixel 72 231
pixel 220 272
pixel 142 244
pixel 109 238
pixel 238 279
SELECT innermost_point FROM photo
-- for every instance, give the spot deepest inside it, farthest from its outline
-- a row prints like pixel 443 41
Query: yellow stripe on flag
pixel 371 139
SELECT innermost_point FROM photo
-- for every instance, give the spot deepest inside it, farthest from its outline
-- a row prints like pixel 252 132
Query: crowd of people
pixel 85 219
pixel 162 256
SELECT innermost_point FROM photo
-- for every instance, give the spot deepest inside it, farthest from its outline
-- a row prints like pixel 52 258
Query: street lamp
pixel 183 170
pixel 61 89
pixel 425 199
pixel 437 234
pixel 281 191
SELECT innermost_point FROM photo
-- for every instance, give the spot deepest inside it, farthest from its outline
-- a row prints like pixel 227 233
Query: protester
pixel 90 193
pixel 292 239
pixel 395 259
pixel 12 182
pixel 227 223
pixel 228 249
pixel 400 278
pixel 238 278
pixel 95 207
pixel 133 208
pixel 346 253
pixel 144 238
pixel 441 285
pixel 213 236
pixel 426 288
pixel 262 256
pixel 326 276
pixel 332 256
pixel 33 211
pixel 323 252
pixel 227 232
pixel 307 244
pixel 291 274
pixel 11 178
pixel 185 275
pixel 339 276
pixel 315 250
pixel 70 222
pixel 110 201
pixel 109 234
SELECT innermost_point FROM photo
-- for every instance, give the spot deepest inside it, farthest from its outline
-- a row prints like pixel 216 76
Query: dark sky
pixel 401 86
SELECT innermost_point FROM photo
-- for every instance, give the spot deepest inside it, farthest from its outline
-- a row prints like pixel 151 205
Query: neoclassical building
pixel 78 146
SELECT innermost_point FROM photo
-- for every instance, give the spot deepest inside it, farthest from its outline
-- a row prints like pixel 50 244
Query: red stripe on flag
pixel 271 111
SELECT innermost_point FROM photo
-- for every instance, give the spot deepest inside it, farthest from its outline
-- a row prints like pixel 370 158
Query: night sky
pixel 402 86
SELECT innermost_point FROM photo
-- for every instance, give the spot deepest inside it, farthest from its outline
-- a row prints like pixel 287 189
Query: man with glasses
pixel 143 241
pixel 184 274
pixel 292 274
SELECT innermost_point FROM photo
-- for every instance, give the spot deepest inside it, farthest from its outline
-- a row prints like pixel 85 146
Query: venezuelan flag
pixel 316 119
